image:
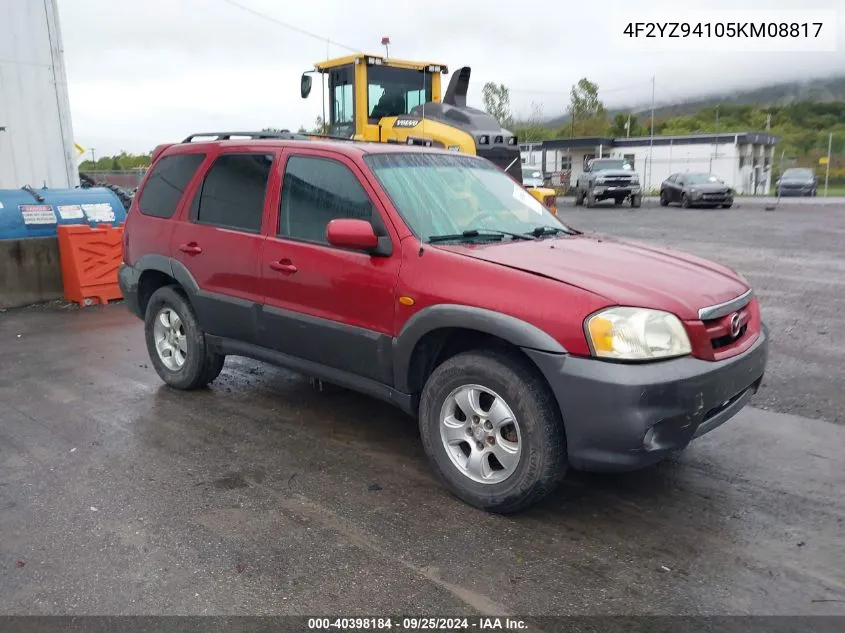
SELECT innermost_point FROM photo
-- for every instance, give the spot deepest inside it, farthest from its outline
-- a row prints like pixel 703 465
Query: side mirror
pixel 305 85
pixel 349 233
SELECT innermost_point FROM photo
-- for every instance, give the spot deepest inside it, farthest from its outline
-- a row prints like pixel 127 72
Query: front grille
pixel 714 196
pixel 719 330
pixel 621 181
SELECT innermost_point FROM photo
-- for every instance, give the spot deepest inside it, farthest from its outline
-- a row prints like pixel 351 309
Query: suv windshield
pixel 605 164
pixel 439 194
pixel 803 174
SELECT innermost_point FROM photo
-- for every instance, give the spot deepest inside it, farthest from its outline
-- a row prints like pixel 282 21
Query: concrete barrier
pixel 30 271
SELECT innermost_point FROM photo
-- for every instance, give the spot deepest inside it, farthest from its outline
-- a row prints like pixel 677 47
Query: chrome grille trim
pixel 723 309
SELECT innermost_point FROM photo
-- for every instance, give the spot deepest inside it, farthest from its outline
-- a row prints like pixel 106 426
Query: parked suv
pixel 608 179
pixel 434 281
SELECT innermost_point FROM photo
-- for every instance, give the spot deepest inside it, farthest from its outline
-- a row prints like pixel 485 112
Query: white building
pixel 36 136
pixel 742 159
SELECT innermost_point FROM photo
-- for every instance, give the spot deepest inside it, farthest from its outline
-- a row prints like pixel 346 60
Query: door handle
pixel 283 266
pixel 192 248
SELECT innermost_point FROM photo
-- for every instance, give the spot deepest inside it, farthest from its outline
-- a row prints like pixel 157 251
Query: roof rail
pixel 225 136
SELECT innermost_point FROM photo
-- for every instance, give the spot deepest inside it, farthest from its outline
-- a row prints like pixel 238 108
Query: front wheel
pixel 685 201
pixel 664 201
pixel 176 344
pixel 636 201
pixel 591 200
pixel 492 431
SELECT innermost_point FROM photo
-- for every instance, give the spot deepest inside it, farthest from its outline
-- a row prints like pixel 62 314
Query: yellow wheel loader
pixel 377 99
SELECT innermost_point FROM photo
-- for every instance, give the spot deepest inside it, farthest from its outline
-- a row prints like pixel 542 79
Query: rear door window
pixel 232 194
pixel 166 184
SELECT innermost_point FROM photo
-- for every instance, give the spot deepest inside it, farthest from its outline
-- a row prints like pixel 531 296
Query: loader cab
pixel 361 90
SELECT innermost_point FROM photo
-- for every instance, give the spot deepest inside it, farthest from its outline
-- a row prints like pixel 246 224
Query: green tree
pixel 588 115
pixel 497 103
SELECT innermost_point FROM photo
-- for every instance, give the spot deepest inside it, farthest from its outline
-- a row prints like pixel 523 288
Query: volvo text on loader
pixel 378 99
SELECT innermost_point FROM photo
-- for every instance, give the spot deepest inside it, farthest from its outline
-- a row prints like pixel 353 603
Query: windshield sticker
pixel 528 200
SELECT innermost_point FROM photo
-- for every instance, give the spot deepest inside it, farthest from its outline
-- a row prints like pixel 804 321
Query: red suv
pixel 435 281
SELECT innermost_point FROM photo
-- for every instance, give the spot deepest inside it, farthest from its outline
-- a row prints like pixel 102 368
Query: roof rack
pixel 225 136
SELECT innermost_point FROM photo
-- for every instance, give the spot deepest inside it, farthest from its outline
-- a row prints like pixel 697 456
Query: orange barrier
pixel 90 257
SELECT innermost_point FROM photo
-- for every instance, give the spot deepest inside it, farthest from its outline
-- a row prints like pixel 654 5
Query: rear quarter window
pixel 166 184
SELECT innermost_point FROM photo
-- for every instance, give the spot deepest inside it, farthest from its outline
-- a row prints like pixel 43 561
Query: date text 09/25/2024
pixel 417 624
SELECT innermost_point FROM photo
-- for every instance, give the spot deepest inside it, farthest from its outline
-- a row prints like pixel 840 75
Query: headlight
pixel 636 334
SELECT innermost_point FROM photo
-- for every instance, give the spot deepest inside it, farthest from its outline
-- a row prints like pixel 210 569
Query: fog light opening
pixel 649 438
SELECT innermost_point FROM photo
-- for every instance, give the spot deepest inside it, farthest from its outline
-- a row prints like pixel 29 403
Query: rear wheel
pixel 492 431
pixel 176 344
pixel 578 199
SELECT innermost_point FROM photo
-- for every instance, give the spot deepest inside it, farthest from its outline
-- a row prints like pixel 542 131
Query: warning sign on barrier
pixel 37 214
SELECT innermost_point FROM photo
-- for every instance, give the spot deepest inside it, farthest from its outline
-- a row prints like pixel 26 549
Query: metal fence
pixel 128 179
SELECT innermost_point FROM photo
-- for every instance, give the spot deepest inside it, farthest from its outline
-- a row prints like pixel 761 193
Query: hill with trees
pixel 802 119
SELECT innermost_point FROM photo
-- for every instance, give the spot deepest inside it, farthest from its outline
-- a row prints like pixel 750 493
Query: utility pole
pixel 827 167
pixel 628 126
pixel 651 140
pixel 93 157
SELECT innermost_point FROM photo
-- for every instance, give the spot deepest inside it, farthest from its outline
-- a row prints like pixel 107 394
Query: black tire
pixel 618 201
pixel 590 200
pixel 578 199
pixel 664 201
pixel 201 365
pixel 636 202
pixel 727 206
pixel 542 464
pixel 685 203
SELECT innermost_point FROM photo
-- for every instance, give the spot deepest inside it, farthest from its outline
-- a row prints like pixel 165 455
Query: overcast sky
pixel 143 72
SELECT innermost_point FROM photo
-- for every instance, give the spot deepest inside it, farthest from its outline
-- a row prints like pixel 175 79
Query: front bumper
pixel 795 191
pixel 712 199
pixel 615 191
pixel 626 416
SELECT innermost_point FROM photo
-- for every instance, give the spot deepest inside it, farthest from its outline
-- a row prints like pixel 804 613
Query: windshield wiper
pixel 551 230
pixel 483 233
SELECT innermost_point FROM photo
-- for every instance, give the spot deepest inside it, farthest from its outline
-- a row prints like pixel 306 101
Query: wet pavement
pixel 259 496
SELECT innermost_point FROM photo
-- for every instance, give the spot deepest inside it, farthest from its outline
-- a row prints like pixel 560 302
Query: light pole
pixel 827 167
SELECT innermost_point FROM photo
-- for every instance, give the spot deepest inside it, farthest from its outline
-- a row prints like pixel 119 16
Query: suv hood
pixel 624 272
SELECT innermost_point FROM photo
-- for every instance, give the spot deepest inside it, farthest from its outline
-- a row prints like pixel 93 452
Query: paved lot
pixel 259 495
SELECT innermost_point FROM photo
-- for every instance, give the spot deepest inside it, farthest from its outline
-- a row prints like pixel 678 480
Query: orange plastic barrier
pixel 90 257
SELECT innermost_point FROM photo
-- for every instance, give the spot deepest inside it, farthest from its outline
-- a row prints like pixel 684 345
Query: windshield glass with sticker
pixel 440 194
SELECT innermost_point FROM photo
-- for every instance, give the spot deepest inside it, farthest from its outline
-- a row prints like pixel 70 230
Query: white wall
pixel 37 146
